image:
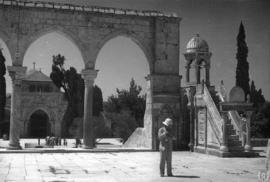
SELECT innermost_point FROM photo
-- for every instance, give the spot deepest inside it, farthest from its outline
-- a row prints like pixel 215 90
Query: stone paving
pixel 125 166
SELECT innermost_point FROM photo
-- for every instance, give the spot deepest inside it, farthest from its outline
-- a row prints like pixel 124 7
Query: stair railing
pixel 216 120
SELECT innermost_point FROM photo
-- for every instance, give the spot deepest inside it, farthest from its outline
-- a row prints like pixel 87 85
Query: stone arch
pixel 6 39
pixel 49 114
pixel 53 29
pixel 33 125
pixel 135 38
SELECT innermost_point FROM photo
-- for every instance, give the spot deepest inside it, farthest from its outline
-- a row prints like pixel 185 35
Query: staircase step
pixel 233 137
pixel 236 148
pixel 231 132
pixel 234 143
pixel 229 126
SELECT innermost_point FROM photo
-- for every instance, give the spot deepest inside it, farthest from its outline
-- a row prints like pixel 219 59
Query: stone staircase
pixel 233 136
pixel 234 142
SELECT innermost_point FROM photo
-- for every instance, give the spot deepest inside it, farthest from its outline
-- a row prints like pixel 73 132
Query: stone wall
pixel 53 104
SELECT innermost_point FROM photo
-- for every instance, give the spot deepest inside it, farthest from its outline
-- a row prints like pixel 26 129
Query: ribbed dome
pixel 197 44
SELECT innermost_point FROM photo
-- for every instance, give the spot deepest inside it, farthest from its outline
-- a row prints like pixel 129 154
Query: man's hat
pixel 168 122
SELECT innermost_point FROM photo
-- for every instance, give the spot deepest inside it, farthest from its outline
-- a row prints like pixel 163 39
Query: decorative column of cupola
pixel 207 75
pixel 15 72
pixel 187 72
pixel 89 76
pixel 197 71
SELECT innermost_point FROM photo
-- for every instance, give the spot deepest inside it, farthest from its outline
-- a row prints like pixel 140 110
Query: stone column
pixel 89 76
pixel 248 143
pixel 187 73
pixel 207 75
pixel 197 74
pixel 16 124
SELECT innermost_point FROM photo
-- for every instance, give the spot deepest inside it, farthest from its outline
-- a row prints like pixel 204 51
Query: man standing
pixel 165 147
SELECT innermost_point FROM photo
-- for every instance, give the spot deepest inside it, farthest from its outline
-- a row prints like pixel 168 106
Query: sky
pixel 217 21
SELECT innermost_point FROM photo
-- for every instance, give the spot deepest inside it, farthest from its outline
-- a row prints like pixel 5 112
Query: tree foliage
pixel 128 100
pixel 123 124
pixel 73 85
pixel 256 96
pixel 97 101
pixel 2 86
pixel 242 69
pixel 260 125
pixel 126 110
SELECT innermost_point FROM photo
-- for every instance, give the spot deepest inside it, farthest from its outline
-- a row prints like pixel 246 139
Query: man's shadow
pixel 184 176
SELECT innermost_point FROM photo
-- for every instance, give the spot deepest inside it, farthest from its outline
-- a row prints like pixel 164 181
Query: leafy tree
pixel 242 69
pixel 73 85
pixel 125 110
pixel 2 86
pixel 123 124
pixel 128 100
pixel 260 125
pixel 256 96
pixel 97 101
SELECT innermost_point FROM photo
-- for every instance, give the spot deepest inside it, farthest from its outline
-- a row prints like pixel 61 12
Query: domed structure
pixel 197 44
pixel 197 57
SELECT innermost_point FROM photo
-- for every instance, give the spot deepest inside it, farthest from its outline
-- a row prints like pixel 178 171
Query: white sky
pixel 217 21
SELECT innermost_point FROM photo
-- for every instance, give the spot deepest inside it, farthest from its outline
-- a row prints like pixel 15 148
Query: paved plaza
pixel 125 167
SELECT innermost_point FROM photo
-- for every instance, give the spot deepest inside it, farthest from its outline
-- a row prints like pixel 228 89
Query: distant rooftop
pixel 36 75
pixel 97 9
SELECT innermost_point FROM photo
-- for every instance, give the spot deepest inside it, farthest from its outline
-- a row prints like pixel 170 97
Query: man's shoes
pixel 170 175
pixel 161 175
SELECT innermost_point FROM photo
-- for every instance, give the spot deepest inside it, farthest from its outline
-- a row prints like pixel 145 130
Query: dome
pixel 35 75
pixel 197 44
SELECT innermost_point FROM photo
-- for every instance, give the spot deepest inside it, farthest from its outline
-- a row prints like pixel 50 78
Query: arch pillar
pixel 16 125
pixel 89 76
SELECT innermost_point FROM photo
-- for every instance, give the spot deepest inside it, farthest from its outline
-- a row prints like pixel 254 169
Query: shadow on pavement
pixel 184 176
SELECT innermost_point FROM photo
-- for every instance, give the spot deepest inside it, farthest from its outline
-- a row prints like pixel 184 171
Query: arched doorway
pixel 39 125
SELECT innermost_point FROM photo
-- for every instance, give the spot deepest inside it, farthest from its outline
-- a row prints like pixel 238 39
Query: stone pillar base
pixel 87 147
pixel 247 148
pixel 10 147
pixel 224 148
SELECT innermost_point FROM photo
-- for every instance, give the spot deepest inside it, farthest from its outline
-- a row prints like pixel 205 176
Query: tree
pixel 260 125
pixel 125 110
pixel 2 86
pixel 256 96
pixel 97 101
pixel 128 100
pixel 242 69
pixel 73 85
pixel 123 124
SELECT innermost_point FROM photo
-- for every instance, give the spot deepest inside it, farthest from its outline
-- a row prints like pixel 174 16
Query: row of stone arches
pixel 95 47
pixel 157 36
pixel 38 124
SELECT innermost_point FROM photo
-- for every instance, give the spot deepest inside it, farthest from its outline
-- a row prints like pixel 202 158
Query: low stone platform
pixel 216 152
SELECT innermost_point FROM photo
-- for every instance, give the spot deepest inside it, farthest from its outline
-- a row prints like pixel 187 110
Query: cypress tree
pixel 2 85
pixel 242 69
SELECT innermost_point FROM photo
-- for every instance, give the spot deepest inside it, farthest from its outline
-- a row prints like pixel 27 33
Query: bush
pixel 123 124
